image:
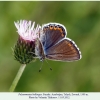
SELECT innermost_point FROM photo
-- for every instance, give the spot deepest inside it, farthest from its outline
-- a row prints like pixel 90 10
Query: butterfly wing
pixel 65 50
pixel 52 33
pixel 39 50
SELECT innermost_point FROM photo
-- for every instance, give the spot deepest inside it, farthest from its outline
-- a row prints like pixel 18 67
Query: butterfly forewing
pixel 52 34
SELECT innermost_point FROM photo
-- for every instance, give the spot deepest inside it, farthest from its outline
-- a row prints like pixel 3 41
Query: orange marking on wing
pixel 55 28
pixel 51 27
pixel 61 31
pixel 71 47
pixel 62 35
pixel 69 44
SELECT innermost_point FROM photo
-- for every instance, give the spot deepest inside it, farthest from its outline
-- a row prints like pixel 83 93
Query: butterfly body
pixel 53 44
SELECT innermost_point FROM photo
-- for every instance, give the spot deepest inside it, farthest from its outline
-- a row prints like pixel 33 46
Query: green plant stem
pixel 15 81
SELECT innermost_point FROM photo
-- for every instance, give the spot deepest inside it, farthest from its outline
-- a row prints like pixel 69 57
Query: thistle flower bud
pixel 24 50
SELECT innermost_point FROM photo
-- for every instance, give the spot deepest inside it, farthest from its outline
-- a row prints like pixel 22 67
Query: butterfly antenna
pixel 48 64
pixel 41 67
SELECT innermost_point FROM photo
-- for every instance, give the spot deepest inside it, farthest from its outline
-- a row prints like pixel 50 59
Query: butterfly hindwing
pixel 66 50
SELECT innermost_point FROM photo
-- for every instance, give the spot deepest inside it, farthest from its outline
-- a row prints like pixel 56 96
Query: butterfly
pixel 53 44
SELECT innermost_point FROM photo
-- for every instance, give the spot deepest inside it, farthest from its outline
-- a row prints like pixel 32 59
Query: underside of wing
pixel 66 50
pixel 39 50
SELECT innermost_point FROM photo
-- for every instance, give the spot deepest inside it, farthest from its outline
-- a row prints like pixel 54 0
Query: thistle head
pixel 26 30
pixel 24 50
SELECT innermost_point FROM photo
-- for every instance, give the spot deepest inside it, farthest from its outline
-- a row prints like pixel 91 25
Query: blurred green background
pixel 82 20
